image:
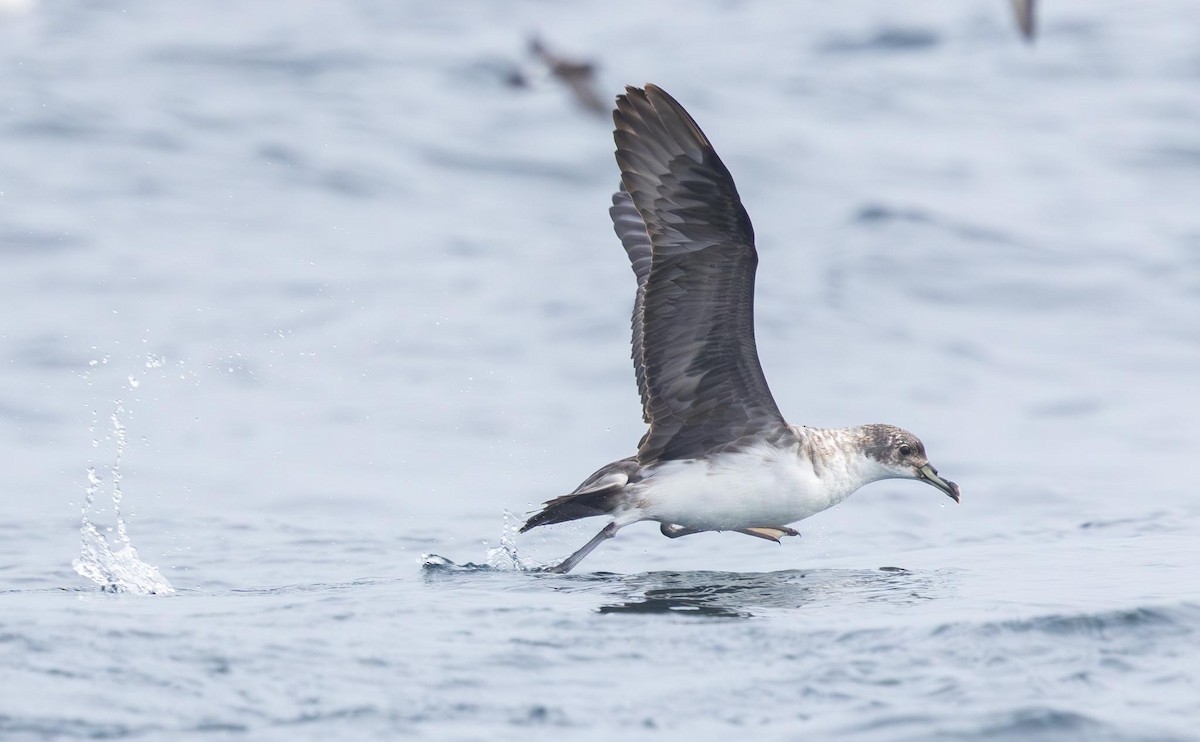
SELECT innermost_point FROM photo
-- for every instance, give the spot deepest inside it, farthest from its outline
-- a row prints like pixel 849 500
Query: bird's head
pixel 898 454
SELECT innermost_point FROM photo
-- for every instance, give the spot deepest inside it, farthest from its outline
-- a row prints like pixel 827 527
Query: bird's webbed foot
pixel 770 533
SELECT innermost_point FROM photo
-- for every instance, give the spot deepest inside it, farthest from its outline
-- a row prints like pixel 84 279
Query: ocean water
pixel 305 306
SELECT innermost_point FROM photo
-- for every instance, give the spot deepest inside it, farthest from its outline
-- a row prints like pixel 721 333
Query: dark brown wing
pixel 628 225
pixel 704 387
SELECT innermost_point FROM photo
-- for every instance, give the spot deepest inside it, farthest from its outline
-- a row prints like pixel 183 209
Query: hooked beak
pixel 928 474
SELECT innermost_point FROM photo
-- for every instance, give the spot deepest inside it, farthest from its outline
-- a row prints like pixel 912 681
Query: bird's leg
pixel 770 533
pixel 670 530
pixel 569 563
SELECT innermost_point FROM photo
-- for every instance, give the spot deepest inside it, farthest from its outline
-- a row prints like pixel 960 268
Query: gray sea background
pixel 313 307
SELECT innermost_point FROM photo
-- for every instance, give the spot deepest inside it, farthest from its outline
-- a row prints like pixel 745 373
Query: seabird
pixel 718 455
pixel 578 75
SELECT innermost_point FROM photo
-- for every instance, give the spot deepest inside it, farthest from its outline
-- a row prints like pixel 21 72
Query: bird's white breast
pixel 759 486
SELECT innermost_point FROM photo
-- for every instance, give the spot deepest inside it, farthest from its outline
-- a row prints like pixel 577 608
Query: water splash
pixel 502 558
pixel 115 567
pixel 505 556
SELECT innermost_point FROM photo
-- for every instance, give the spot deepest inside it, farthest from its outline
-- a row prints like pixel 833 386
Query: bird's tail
pixel 600 494
pixel 573 507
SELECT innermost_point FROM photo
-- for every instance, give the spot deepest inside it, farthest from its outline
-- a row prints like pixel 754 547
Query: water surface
pixel 330 297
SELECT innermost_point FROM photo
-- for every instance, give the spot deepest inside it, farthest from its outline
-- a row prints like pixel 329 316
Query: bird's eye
pixel 905 449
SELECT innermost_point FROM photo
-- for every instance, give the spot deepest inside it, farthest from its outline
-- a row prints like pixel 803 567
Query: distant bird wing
pixel 1025 11
pixel 703 385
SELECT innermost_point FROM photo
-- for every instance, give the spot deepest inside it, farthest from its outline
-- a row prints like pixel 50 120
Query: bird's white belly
pixel 754 488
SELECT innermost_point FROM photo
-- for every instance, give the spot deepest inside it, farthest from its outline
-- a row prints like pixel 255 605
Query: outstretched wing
pixel 703 385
